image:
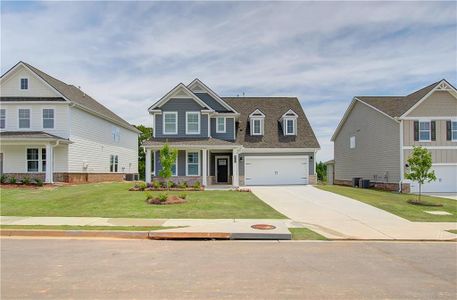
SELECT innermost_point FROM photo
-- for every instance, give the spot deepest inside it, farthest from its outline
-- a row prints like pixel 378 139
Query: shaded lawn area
pixel 113 200
pixel 396 203
pixel 305 234
pixel 72 227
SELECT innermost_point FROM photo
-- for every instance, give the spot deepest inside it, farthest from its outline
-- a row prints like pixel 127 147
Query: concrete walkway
pixel 340 217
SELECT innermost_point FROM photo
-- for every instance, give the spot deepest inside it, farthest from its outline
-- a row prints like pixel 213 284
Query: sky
pixel 127 55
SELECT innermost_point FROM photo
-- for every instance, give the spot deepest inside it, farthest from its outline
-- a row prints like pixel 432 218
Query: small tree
pixel 321 170
pixel 167 160
pixel 420 163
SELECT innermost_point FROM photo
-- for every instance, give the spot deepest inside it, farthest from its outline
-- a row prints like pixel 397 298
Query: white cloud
pixel 130 54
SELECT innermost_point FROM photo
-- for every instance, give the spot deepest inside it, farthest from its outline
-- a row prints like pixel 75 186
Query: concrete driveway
pixel 340 217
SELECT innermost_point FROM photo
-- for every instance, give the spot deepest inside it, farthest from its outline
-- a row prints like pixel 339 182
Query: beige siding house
pixel 377 133
pixel 56 132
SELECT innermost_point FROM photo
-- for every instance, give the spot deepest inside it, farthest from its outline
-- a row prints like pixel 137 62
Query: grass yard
pixel 71 227
pixel 453 231
pixel 396 203
pixel 305 234
pixel 113 200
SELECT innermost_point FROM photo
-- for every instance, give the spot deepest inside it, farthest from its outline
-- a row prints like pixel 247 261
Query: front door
pixel 222 169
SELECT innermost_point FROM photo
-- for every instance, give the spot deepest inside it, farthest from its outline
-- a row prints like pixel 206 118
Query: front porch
pixel 211 166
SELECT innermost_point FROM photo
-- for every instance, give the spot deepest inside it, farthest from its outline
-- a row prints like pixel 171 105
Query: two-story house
pixel 56 132
pixel 231 140
pixel 377 133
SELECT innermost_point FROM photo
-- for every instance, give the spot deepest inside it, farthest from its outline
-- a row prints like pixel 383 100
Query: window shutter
pixel 448 130
pixel 433 129
pixel 416 130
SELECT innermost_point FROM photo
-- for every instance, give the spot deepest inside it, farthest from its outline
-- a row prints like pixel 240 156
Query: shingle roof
pixel 188 142
pixel 40 135
pixel 273 108
pixel 77 96
pixel 395 106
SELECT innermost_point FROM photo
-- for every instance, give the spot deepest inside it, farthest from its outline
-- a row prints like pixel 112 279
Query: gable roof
pixel 198 83
pixel 78 97
pixel 393 107
pixel 181 87
pixel 273 108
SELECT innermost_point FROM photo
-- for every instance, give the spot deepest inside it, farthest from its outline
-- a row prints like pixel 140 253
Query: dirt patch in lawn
pixel 170 200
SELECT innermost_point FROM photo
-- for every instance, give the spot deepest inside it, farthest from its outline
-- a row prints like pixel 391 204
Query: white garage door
pixel 446 181
pixel 271 170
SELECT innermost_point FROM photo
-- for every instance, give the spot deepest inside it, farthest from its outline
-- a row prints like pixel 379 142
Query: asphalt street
pixel 144 269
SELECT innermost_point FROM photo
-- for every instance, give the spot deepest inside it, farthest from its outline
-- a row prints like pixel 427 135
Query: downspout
pixel 400 189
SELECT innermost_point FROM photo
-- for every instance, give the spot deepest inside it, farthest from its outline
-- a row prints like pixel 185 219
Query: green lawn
pixel 114 200
pixel 453 231
pixel 71 227
pixel 396 203
pixel 305 234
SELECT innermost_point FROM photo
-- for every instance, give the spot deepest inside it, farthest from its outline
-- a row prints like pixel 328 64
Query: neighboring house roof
pixel 330 162
pixel 75 95
pixel 188 142
pixel 28 135
pixel 33 99
pixel 273 108
pixel 393 107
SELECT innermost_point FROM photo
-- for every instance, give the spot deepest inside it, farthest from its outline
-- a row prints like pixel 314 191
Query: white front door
pixel 272 170
pixel 446 181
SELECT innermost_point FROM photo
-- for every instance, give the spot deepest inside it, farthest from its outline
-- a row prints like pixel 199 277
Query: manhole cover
pixel 263 226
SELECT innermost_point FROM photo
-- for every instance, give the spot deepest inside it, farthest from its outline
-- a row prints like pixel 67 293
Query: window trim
pixel 217 125
pixel 187 122
pixel 352 142
pixel 115 165
pixel 429 130
pixel 198 163
pixel 175 113
pixel 53 118
pixel 294 126
pixel 116 134
pixel 176 168
pixel 253 120
pixel 20 83
pixel 40 159
pixel 3 118
pixel 452 130
pixel 18 118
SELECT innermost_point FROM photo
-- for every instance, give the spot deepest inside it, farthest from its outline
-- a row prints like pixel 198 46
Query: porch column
pixel 147 168
pixel 204 167
pixel 49 163
pixel 235 179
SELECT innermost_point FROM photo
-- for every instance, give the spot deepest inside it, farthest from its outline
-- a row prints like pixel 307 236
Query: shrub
pixel 149 196
pixel 38 182
pixel 12 180
pixel 3 178
pixel 171 184
pixel 163 197
pixel 197 185
pixel 156 184
pixel 183 185
pixel 26 180
pixel 142 186
pixel 149 185
pixel 163 184
pixel 183 196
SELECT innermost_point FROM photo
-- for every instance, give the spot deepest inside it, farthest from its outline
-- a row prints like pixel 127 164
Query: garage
pixel 276 170
pixel 446 181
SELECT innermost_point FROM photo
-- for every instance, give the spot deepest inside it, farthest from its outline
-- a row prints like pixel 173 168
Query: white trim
pixel 352 142
pixel 429 118
pixel 163 122
pixel 255 113
pixel 187 124
pixel 198 164
pixel 431 147
pixel 252 120
pixel 438 87
pixel 209 125
pixel 429 131
pixel 176 164
pixel 171 93
pixel 452 130
pixel 30 118
pixel 53 119
pixel 402 158
pixel 444 164
pixel 153 125
pixel 20 83
pixel 294 125
pixel 278 150
pixel 285 115
pixel 217 125
pixel 211 93
pixel 228 166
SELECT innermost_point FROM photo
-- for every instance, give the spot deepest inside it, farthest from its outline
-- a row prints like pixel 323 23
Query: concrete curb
pixel 76 233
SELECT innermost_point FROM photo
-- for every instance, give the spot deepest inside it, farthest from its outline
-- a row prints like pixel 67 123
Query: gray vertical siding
pixel 181 106
pixel 310 154
pixel 211 102
pixel 229 134
pixel 377 150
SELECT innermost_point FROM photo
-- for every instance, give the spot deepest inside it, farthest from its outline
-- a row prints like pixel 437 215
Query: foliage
pixel 183 185
pixel 25 180
pixel 146 133
pixel 12 180
pixel 156 184
pixel 4 178
pixel 420 163
pixel 163 197
pixel 321 170
pixel 167 160
pixel 149 196
pixel 197 185
pixel 171 184
pixel 182 196
pixel 38 182
pixel 142 186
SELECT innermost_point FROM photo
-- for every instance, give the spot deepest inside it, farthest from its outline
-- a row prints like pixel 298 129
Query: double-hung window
pixel 170 122
pixel 352 142
pixel 116 134
pixel 24 84
pixel 454 131
pixel 193 164
pixel 192 122
pixel 220 124
pixel 33 160
pixel 48 118
pixel 114 163
pixel 43 159
pixel 424 131
pixel 290 126
pixel 256 126
pixel 24 118
pixel 2 118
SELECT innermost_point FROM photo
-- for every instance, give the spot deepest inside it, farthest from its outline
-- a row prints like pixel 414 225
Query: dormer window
pixel 257 120
pixel 24 83
pixel 289 123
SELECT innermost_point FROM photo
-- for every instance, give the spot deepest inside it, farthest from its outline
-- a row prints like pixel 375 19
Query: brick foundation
pixel 385 186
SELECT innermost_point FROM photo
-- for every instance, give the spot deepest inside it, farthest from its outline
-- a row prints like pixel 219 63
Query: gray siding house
pixel 231 140
pixel 377 133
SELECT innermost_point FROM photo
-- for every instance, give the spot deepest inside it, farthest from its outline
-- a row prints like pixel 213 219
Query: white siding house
pixel 56 132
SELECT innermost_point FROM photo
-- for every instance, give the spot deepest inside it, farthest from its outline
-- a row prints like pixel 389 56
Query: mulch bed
pixel 170 200
pixel 151 189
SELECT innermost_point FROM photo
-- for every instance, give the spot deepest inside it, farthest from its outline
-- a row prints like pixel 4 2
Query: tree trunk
pixel 420 191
